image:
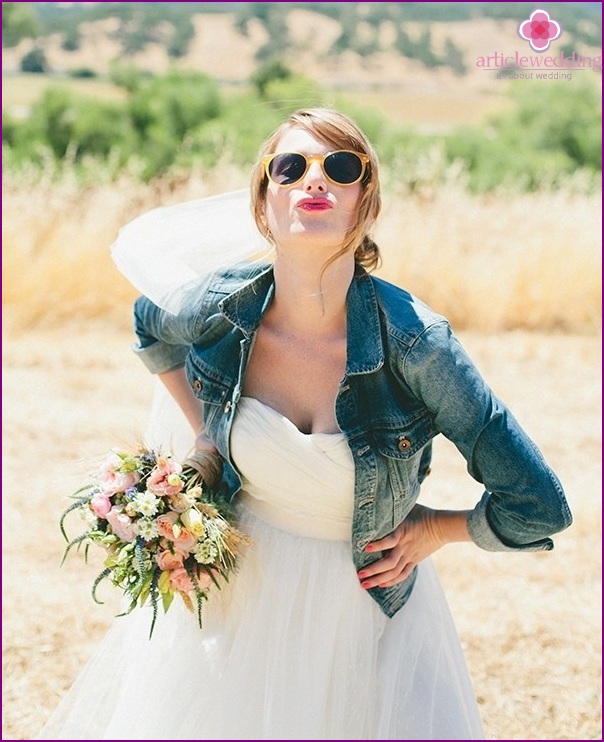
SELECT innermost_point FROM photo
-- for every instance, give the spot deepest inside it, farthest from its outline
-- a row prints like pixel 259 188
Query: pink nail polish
pixel 369 548
pixel 362 574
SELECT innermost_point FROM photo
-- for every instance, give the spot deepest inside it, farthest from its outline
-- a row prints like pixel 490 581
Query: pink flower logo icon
pixel 539 30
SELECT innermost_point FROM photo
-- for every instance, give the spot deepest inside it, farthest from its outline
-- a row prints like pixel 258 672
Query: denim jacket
pixel 407 379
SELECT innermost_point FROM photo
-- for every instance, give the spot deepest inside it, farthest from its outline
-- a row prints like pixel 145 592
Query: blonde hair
pixel 340 132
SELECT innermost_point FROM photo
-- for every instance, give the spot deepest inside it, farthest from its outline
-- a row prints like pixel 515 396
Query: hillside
pixel 356 46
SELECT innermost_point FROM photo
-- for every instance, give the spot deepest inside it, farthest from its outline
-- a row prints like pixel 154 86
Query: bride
pixel 315 391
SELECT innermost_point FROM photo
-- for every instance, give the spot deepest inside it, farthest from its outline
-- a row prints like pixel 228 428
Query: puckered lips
pixel 314 204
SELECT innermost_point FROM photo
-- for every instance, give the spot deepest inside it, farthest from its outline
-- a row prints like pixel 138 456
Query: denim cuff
pixel 485 537
pixel 161 357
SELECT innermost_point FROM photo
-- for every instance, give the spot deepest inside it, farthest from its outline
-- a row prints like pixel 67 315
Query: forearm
pixel 176 383
pixel 447 526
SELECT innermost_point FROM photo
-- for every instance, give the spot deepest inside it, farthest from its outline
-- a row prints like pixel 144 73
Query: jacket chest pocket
pixel 403 456
pixel 214 393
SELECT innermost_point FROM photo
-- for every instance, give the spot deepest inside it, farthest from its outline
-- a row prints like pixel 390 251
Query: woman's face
pixel 313 212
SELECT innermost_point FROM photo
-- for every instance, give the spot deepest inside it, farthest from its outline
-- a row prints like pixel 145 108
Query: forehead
pixel 301 140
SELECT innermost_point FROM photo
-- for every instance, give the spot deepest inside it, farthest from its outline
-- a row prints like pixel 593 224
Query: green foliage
pixel 50 124
pixel 19 21
pixel 454 58
pixel 171 24
pixel 272 69
pixel 176 103
pixel 184 31
pixel 236 135
pixel 84 73
pixel 71 41
pixel 167 110
pixel 34 61
pixel 297 91
pixel 425 53
pixel 551 132
pixel 274 18
pixel 421 49
pixel 9 129
pixel 72 127
pixel 126 76
pixel 179 121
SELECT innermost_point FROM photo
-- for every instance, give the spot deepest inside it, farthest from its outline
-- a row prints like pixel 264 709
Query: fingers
pixel 388 577
pixel 388 542
pixel 387 571
pixel 383 582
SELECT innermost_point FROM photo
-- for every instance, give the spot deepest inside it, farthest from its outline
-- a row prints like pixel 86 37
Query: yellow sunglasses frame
pixel 267 159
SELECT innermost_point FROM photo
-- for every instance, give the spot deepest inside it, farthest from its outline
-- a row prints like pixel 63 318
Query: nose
pixel 314 180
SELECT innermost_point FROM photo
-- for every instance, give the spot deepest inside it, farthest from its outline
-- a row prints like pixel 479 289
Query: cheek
pixel 277 208
pixel 350 203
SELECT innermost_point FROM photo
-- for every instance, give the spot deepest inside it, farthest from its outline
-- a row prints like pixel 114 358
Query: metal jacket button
pixel 197 385
pixel 404 444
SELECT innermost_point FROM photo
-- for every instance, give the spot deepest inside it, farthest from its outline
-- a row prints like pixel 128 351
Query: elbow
pixel 141 308
pixel 538 514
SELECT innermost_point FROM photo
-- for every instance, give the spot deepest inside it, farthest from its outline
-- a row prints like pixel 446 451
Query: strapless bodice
pixel 301 483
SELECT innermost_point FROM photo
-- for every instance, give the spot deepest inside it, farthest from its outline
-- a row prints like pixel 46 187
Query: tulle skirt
pixel 291 648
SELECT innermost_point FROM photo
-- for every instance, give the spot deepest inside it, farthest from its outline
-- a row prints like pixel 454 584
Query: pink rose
pixel 164 479
pixel 165 523
pixel 185 541
pixel 100 505
pixel 180 580
pixel 167 560
pixel 121 524
pixel 113 482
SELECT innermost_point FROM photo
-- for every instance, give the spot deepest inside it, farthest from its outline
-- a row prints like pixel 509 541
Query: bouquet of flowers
pixel 163 533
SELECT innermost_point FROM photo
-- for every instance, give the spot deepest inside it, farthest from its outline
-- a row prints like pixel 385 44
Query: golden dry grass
pixel 529 623
pixel 498 262
pixel 490 262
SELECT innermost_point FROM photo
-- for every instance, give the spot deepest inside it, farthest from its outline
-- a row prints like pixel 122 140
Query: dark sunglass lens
pixel 287 168
pixel 343 167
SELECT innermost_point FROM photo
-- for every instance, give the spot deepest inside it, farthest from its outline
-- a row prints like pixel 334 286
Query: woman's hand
pixel 206 465
pixel 422 533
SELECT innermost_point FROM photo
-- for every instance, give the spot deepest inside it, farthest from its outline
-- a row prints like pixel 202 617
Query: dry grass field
pixel 503 270
pixel 490 263
pixel 530 624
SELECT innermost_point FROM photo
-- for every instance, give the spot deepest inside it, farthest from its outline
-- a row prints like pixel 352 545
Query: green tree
pixel 34 61
pixel 454 58
pixel 19 21
pixel 425 53
pixel 272 69
pixel 274 18
pixel 71 40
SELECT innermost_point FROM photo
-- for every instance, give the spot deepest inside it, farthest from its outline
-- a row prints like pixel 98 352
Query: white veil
pixel 165 249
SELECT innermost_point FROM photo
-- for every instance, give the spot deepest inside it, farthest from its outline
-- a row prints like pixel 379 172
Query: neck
pixel 310 302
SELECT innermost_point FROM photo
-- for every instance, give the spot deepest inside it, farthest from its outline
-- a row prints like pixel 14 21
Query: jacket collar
pixel 365 352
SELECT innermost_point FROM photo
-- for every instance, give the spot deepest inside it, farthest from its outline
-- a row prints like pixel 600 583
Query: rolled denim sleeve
pixel 524 502
pixel 164 338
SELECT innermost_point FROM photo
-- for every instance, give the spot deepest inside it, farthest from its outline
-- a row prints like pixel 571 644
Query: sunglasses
pixel 342 167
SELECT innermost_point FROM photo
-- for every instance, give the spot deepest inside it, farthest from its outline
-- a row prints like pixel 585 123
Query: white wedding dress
pixel 292 647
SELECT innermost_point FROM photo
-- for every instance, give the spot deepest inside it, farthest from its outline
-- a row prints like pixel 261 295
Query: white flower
pixel 145 503
pixel 206 552
pixel 88 517
pixel 146 528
